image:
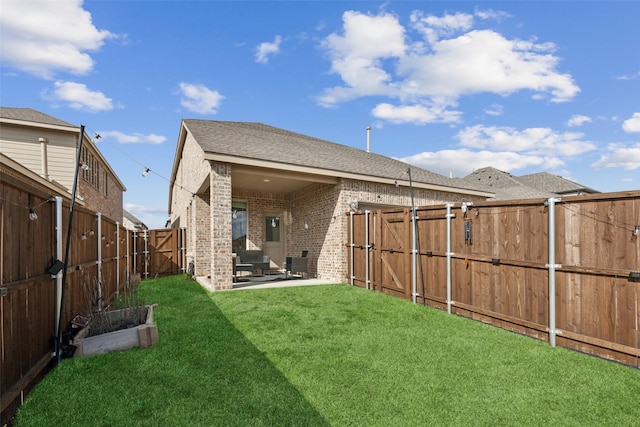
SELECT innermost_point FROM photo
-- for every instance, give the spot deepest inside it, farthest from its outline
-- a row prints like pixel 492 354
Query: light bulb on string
pixel 146 172
pixel 32 214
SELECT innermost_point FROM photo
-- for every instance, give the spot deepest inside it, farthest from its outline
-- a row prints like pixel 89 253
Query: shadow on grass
pixel 203 371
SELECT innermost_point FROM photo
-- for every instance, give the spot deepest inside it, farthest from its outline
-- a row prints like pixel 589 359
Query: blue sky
pixel 451 86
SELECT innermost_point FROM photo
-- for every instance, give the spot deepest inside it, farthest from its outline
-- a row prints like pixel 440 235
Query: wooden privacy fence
pixel 103 256
pixel 563 270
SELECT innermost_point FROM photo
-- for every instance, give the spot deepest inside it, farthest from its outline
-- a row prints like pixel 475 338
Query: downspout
pixel 551 204
pixel 449 254
pixel 351 248
pixel 44 158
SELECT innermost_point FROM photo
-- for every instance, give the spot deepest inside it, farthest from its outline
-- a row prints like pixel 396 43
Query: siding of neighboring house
pixel 55 159
pixel 22 145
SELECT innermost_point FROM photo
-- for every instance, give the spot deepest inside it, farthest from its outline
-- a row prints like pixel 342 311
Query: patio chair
pixel 297 264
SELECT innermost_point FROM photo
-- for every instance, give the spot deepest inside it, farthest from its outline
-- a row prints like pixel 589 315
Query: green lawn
pixel 328 355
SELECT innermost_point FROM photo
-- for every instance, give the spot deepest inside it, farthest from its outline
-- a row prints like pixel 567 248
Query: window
pixel 272 228
pixel 239 225
pixel 90 168
pixel 105 186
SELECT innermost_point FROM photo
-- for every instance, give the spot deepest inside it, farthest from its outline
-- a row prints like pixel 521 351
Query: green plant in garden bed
pixel 329 355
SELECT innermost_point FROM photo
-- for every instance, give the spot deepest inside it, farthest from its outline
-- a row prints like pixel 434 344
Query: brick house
pixel 238 185
pixel 48 146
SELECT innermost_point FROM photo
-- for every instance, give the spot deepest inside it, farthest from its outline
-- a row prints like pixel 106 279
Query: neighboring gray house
pixel 48 147
pixel 237 185
pixel 130 222
pixel 536 185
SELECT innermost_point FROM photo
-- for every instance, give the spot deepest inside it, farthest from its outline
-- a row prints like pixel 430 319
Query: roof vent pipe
pixel 368 139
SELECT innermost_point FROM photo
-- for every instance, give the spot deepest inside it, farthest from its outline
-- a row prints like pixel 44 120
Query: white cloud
pixel 632 124
pixel 578 120
pixel 45 37
pixel 152 216
pixel 434 27
pixel 418 114
pixel 505 148
pixel 629 77
pixel 200 99
pixel 357 55
pixel 494 110
pixel 484 61
pixel 491 14
pixel 535 141
pixel 464 161
pixel 620 156
pixel 266 49
pixel 136 138
pixel 448 59
pixel 79 97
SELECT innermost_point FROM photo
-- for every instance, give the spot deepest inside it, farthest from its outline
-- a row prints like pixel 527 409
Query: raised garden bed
pixel 117 330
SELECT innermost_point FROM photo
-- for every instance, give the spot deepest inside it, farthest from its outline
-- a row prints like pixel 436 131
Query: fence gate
pixel 392 253
pixel 165 254
pixel 361 243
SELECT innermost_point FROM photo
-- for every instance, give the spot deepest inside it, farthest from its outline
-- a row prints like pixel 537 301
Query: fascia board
pixel 24 123
pixel 224 158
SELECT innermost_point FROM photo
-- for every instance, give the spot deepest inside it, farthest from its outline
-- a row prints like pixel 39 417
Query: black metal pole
pixel 67 247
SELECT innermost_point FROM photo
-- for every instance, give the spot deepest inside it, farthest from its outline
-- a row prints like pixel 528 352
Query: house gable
pixel 48 147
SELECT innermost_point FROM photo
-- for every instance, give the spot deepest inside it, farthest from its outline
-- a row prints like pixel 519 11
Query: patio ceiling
pixel 274 180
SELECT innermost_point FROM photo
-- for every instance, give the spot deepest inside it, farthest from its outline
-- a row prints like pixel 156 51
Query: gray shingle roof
pixel 262 142
pixel 131 217
pixel 553 183
pixel 537 185
pixel 31 115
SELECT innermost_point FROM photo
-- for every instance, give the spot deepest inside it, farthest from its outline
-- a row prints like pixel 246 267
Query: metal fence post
pixel 99 260
pixel 135 253
pixel 351 248
pixel 551 204
pixel 117 258
pixel 146 253
pixel 183 249
pixel 449 254
pixel 368 247
pixel 59 256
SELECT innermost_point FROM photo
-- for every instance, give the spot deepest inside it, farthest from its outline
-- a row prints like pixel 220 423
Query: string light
pixel 32 214
pixel 84 166
pixel 146 169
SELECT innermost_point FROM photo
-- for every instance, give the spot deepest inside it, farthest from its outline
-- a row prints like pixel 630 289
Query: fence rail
pixel 562 270
pixel 102 259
